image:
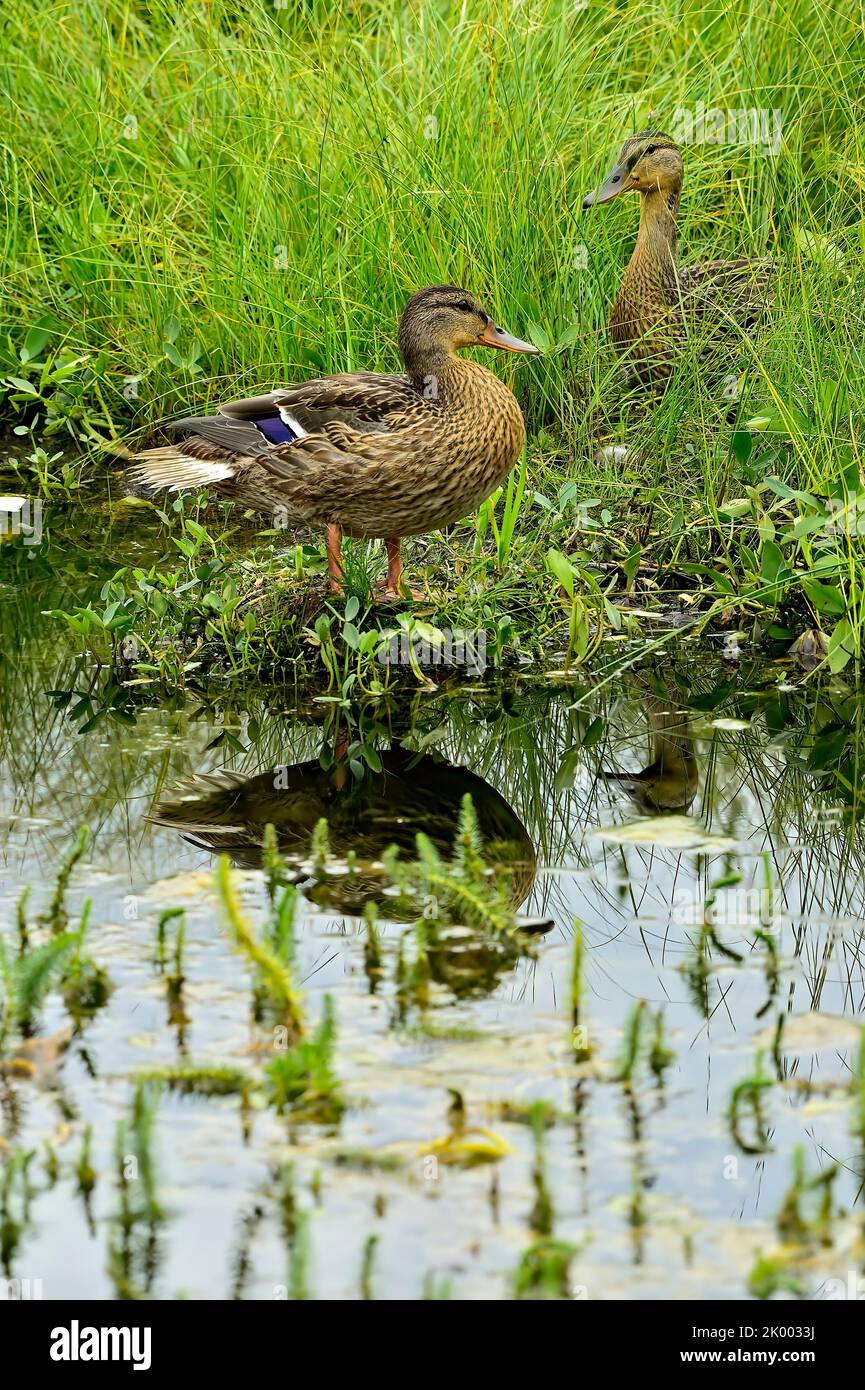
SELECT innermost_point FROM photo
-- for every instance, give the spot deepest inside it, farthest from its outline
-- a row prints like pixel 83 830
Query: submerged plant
pixel 747 1098
pixel 133 1249
pixel 302 1079
pixel 56 916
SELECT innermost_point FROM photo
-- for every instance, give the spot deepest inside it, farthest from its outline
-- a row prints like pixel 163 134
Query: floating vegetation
pixel 198 1081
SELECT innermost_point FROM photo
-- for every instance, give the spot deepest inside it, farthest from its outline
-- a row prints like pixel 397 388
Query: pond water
pixel 682 793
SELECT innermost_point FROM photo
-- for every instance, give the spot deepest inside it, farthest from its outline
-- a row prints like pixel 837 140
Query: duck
pixel 226 812
pixel 658 299
pixel 670 782
pixel 364 454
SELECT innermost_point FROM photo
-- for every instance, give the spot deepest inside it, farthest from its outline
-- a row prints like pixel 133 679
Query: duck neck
pixel 658 228
pixel 435 372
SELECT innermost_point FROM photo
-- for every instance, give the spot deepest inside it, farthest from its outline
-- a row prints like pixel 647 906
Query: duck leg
pixel 392 587
pixel 334 558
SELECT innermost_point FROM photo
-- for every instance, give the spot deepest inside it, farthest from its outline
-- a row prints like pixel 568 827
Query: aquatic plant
pixel 302 1079
pixel 747 1098
pixel 273 971
pixel 133 1231
pixel 56 916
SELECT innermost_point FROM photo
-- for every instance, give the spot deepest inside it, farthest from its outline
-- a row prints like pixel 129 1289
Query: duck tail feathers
pixel 168 468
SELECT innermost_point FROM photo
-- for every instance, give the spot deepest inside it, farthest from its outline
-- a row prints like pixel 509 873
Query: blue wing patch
pixel 274 428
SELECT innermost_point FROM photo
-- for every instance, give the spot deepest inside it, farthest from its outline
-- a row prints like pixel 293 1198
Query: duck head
pixel 443 318
pixel 649 162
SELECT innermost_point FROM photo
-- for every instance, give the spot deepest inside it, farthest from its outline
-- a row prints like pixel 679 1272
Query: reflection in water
pixel 227 813
pixel 670 781
pixel 636 1177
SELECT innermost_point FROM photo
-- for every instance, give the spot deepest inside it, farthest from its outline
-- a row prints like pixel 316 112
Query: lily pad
pixel 670 832
pixel 814 1032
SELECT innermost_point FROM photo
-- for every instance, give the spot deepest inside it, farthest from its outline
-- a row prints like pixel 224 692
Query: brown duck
pixel 227 813
pixel 657 299
pixel 671 780
pixel 364 453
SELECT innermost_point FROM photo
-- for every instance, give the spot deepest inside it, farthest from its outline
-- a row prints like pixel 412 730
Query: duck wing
pixel 329 416
pixel 363 401
pixel 741 290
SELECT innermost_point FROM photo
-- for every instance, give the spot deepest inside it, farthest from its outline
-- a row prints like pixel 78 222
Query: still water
pixel 699 821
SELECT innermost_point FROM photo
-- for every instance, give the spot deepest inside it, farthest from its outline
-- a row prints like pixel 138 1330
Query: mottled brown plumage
pixel 657 300
pixel 227 813
pixel 374 455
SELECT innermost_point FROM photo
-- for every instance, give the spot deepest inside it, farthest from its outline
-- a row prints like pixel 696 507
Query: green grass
pixel 297 171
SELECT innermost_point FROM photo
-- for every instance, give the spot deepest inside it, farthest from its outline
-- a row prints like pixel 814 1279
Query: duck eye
pixel 650 149
pixel 464 306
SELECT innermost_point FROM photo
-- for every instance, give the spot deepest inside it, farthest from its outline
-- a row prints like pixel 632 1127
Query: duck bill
pixel 615 183
pixel 498 338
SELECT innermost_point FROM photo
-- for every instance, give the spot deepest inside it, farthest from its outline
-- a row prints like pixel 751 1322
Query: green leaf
pixel 773 569
pixel 741 446
pixel 560 566
pixel 842 646
pixel 539 336
pixel 826 598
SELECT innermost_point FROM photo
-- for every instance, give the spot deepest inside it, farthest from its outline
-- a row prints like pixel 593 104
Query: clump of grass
pixel 367 1268
pixel 85 1173
pixel 302 1079
pixel 372 962
pixel 189 1080
pixel 541 1215
pixel 795 1223
pixel 15 1195
pixel 294 1222
pixel 545 1271
pixel 580 1037
pixel 169 915
pixel 463 892
pixel 632 1044
pixel 176 977
pixel 660 1056
pixel 28 978
pixel 86 985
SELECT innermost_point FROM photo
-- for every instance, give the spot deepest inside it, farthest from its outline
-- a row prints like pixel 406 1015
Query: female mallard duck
pixel 656 298
pixel 227 813
pixel 363 453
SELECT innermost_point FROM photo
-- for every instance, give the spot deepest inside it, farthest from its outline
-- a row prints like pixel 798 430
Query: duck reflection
pixel 227 812
pixel 671 779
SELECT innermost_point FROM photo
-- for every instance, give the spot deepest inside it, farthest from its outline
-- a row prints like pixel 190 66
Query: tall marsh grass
pixel 205 198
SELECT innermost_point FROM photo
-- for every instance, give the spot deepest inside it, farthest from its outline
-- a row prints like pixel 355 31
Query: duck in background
pixel 658 299
pixel 670 781
pixel 363 453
